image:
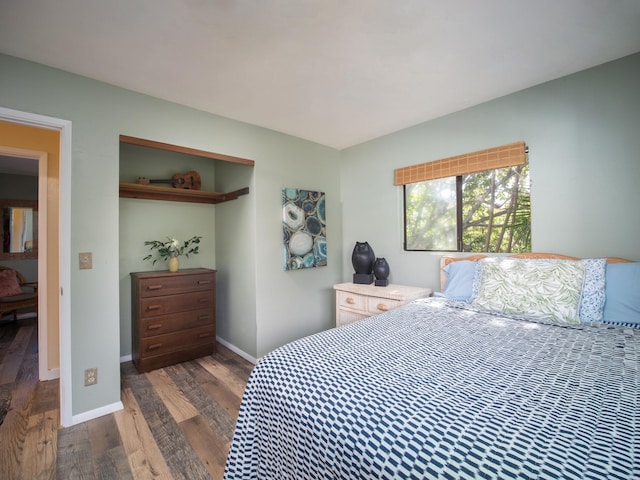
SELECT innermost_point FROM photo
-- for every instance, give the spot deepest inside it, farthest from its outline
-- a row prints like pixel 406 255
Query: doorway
pixel 58 213
pixel 20 166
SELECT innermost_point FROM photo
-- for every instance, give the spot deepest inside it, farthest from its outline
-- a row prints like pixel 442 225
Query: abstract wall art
pixel 304 229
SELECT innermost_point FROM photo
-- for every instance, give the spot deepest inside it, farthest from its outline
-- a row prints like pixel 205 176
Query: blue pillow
pixel 460 276
pixel 622 287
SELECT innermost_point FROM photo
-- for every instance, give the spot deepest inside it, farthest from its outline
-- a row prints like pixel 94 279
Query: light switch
pixel 85 260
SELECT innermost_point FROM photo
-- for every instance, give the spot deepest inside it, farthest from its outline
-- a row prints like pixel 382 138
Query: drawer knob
pixel 154 287
pixel 154 307
pixel 203 300
pixel 203 282
pixel 350 300
pixel 204 335
pixel 203 317
pixel 155 346
pixel 382 307
pixel 155 326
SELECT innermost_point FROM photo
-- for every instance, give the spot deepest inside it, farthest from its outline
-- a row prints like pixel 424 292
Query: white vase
pixel 174 264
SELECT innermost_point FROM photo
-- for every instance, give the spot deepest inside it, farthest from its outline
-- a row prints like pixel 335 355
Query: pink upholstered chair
pixel 13 299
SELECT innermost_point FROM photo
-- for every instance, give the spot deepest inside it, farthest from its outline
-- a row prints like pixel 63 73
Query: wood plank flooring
pixel 177 422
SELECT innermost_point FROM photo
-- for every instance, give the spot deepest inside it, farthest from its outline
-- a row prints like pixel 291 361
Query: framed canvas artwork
pixel 304 229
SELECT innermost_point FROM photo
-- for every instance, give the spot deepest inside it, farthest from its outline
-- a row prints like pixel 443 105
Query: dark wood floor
pixel 177 422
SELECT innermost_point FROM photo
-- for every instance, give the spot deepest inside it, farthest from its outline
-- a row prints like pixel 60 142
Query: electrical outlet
pixel 90 376
pixel 86 261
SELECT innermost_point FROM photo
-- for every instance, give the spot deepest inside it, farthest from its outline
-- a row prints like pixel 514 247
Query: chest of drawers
pixel 355 301
pixel 173 317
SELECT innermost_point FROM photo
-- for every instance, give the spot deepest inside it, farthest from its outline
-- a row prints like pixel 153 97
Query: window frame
pixel 459 215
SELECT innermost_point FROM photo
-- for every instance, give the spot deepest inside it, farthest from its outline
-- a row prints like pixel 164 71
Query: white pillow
pixel 546 289
pixel 593 290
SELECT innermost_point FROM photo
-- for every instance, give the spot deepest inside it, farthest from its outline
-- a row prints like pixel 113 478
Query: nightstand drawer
pixel 347 316
pixel 352 300
pixel 379 305
pixel 356 301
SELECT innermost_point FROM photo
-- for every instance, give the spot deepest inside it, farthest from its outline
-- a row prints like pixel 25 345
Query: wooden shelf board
pixel 191 151
pixel 152 192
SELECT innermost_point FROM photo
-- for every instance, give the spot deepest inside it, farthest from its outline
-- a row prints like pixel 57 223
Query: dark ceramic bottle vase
pixel 381 272
pixel 362 259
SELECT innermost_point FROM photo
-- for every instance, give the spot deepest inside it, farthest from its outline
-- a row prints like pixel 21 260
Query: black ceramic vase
pixel 362 259
pixel 381 272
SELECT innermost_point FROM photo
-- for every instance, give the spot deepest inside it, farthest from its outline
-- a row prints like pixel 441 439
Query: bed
pixel 451 387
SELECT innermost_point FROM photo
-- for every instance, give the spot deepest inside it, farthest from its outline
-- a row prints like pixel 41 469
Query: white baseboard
pixel 126 358
pixel 237 351
pixel 98 412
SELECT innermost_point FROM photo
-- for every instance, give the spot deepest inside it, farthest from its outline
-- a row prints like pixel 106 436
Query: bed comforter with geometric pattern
pixel 435 390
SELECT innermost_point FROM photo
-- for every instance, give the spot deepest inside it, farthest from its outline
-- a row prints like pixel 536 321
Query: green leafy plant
pixel 173 248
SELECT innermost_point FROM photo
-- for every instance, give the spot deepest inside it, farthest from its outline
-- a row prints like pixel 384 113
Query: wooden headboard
pixel 446 260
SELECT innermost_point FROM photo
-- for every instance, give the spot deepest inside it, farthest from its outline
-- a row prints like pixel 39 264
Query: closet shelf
pixel 152 192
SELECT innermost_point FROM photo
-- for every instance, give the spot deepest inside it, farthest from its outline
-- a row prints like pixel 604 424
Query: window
pixel 475 202
pixel 487 211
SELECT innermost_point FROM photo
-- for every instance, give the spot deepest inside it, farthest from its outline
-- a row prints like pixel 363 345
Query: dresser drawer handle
pixel 350 300
pixel 203 282
pixel 154 307
pixel 155 346
pixel 155 326
pixel 203 300
pixel 154 287
pixel 382 307
pixel 203 317
pixel 204 335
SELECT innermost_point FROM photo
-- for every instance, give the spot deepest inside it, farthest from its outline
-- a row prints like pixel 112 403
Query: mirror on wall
pixel 19 229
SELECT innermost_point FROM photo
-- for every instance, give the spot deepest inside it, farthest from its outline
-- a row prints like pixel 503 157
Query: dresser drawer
pixel 154 306
pixel 175 322
pixel 351 300
pixel 377 305
pixel 172 342
pixel 171 285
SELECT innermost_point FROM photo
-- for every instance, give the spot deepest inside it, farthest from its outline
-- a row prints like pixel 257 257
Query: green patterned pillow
pixel 542 289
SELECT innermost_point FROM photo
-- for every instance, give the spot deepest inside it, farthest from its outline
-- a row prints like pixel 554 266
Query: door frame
pixel 64 249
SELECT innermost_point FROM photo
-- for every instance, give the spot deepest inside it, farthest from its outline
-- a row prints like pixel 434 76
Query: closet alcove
pixel 219 211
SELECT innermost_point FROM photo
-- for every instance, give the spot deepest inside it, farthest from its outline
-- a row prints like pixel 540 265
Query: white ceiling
pixel 337 72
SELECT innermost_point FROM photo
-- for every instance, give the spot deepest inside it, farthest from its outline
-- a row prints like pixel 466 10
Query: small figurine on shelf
pixel 381 271
pixel 362 259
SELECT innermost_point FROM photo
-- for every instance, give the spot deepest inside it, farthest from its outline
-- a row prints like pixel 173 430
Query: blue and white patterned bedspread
pixel 430 390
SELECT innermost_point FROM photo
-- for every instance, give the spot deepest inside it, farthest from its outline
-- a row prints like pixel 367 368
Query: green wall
pixel 267 304
pixel 583 132
pixel 236 254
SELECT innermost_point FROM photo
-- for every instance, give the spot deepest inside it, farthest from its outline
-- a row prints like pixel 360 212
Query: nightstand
pixel 355 302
